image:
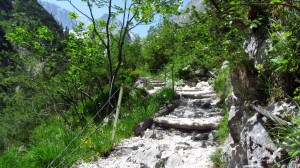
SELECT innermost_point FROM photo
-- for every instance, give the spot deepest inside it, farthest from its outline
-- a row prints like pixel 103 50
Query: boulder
pixel 232 153
pixel 230 100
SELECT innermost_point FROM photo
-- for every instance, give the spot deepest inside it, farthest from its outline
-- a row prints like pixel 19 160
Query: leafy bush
pixel 282 65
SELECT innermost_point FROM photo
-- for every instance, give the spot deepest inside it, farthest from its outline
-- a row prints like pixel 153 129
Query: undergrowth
pixel 221 84
pixel 222 134
pixel 288 137
pixel 216 158
pixel 50 138
pixel 223 130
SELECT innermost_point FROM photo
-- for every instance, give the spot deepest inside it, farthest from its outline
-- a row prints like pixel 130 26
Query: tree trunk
pixel 188 123
pixel 140 127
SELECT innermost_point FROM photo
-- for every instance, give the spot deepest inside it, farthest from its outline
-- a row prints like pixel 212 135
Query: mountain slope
pixel 62 15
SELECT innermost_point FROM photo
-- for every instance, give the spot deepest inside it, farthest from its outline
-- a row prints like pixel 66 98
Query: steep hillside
pixel 30 13
pixel 33 9
pixel 26 33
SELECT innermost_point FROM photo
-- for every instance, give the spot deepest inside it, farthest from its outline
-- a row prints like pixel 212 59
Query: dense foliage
pixel 53 83
pixel 220 33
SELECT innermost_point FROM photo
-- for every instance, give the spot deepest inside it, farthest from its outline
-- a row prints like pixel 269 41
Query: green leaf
pixel 287 34
pixel 279 61
pixel 276 1
pixel 294 153
pixel 73 15
pixel 253 25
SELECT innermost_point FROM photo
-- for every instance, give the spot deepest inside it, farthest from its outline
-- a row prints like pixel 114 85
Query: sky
pixel 141 29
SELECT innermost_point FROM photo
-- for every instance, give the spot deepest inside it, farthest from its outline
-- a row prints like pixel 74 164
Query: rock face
pixel 244 83
pixel 257 48
pixel 249 144
pixel 164 147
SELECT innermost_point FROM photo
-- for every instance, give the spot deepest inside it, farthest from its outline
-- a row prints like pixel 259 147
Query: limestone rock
pixel 143 83
pixel 257 48
pixel 199 137
pixel 238 116
pixel 256 140
pixel 254 149
pixel 149 134
pixel 200 72
pixel 201 85
pixel 246 84
pixel 231 100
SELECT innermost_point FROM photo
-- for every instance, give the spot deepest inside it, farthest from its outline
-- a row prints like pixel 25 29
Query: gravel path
pixel 162 147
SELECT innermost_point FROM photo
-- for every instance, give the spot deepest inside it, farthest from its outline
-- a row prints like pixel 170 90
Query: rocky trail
pixel 184 138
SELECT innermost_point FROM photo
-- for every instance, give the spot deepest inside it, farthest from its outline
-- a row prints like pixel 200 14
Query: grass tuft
pixel 223 129
pixel 216 158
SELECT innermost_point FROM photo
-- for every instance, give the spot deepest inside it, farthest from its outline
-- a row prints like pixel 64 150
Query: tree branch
pixel 124 17
pixel 108 42
pixel 79 10
pixel 219 11
pixel 94 24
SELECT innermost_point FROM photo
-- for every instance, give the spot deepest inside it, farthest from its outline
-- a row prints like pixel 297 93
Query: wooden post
pixel 165 76
pixel 173 77
pixel 117 114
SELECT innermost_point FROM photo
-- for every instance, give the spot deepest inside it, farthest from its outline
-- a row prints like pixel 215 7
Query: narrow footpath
pixel 185 138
